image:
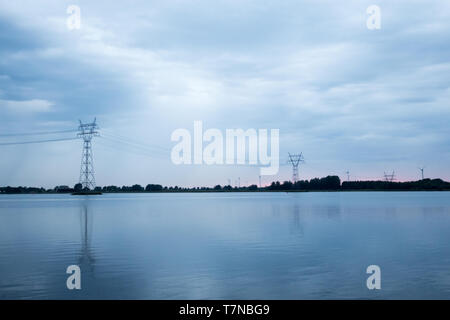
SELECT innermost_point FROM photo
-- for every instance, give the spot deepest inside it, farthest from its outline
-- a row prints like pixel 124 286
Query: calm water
pixel 226 246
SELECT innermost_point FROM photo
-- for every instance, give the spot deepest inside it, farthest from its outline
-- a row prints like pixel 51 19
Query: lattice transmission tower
pixel 87 131
pixel 421 170
pixel 389 177
pixel 295 160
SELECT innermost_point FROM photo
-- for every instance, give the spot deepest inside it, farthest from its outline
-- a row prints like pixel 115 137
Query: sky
pixel 347 97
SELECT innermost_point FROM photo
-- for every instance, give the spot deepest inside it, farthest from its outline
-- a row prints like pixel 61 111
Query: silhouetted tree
pixel 136 188
pixel 153 187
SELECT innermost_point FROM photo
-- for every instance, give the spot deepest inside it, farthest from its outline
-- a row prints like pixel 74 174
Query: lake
pixel 312 245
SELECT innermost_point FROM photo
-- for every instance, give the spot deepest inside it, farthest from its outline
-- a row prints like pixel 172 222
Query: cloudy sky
pixel 349 98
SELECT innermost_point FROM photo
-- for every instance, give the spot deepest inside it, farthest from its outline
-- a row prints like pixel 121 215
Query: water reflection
pixel 296 225
pixel 390 212
pixel 333 212
pixel 86 259
pixel 275 210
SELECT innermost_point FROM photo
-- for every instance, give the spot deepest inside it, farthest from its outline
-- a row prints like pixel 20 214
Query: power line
pixel 133 144
pixel 35 141
pixel 123 147
pixel 128 140
pixel 118 144
pixel 35 133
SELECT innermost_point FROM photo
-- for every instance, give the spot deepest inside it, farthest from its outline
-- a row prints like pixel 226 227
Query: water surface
pixel 226 245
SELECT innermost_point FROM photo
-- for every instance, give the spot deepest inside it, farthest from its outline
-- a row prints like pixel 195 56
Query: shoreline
pixel 325 184
pixel 214 191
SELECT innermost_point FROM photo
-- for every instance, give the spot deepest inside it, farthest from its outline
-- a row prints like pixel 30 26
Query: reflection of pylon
pixel 86 257
pixel 86 132
pixel 295 160
pixel 389 177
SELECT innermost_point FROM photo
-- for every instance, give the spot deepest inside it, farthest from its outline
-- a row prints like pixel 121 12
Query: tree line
pixel 329 183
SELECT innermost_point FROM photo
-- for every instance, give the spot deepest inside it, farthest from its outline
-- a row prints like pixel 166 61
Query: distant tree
pixel 218 188
pixel 111 189
pixel 314 184
pixel 331 183
pixel 275 186
pixel 62 189
pixel 78 187
pixel 287 185
pixel 301 185
pixel 136 188
pixel 253 187
pixel 153 187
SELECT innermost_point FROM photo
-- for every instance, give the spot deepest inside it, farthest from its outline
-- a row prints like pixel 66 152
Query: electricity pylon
pixel 295 160
pixel 348 175
pixel 87 131
pixel 389 177
pixel 421 170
